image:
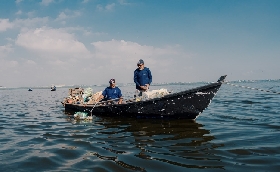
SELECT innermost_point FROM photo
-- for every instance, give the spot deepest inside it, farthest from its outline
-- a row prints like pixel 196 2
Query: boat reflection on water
pixel 168 143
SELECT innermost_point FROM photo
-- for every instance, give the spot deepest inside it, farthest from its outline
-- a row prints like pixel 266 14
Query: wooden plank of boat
pixel 188 104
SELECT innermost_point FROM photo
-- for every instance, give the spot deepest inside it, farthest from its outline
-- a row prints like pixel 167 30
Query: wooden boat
pixel 186 104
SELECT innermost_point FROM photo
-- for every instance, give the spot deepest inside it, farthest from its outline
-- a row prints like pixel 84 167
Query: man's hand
pixel 120 101
pixel 143 87
pixel 147 86
pixel 100 98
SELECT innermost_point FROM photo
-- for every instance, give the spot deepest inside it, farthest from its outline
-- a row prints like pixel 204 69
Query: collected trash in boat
pixel 93 99
pixel 81 96
pixel 141 96
pixel 87 94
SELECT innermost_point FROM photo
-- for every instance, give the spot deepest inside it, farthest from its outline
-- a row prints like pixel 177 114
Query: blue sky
pixel 44 42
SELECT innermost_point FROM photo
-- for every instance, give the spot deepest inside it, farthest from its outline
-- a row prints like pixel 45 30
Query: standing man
pixel 111 92
pixel 142 77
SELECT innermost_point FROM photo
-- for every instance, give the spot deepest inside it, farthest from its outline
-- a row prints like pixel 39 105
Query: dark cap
pixel 140 61
pixel 112 81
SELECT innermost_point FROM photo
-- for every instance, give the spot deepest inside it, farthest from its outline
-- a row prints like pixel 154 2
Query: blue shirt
pixel 112 93
pixel 142 77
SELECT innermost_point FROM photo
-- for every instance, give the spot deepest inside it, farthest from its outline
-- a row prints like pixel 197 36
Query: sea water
pixel 239 131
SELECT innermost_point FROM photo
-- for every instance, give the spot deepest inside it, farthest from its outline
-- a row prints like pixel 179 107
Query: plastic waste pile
pixel 82 96
pixel 87 94
pixel 94 97
pixel 152 94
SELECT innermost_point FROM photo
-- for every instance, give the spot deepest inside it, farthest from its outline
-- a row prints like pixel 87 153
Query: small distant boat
pixel 29 89
pixel 53 88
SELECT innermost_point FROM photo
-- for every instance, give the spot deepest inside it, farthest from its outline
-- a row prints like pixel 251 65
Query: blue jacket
pixel 142 77
pixel 111 93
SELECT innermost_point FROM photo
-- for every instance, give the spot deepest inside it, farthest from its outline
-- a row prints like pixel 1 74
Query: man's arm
pixel 102 95
pixel 120 96
pixel 150 76
pixel 150 79
pixel 120 100
pixel 100 98
pixel 136 77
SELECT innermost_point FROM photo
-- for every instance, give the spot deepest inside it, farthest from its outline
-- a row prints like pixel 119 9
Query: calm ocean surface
pixel 239 131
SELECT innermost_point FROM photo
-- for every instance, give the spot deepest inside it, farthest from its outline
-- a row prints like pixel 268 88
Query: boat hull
pixel 187 104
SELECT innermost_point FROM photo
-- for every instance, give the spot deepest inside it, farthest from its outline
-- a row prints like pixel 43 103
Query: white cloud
pixel 129 49
pixel 110 6
pixel 123 2
pixel 9 39
pixel 18 1
pixel 49 42
pixel 31 23
pixel 85 1
pixel 30 62
pixel 114 58
pixel 61 16
pixel 19 12
pixel 51 51
pixel 46 2
pixel 5 50
pixel 99 7
pixel 107 7
pixel 120 56
pixel 31 14
pixel 5 24
pixel 7 65
pixel 66 14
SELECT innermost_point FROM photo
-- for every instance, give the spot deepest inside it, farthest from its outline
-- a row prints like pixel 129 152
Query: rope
pixel 252 88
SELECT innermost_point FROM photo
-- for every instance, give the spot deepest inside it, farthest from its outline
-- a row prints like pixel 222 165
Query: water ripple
pixel 238 131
